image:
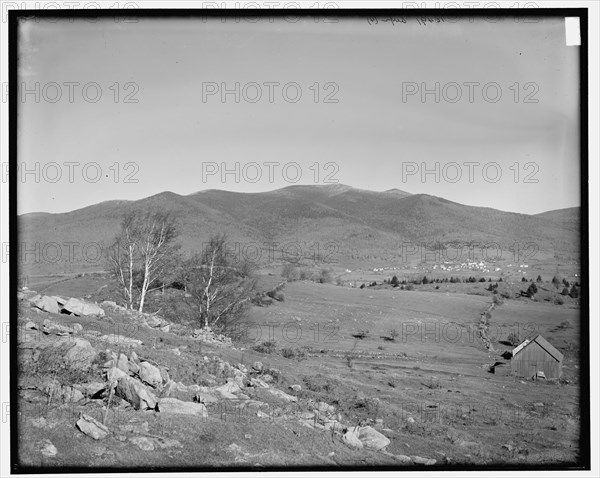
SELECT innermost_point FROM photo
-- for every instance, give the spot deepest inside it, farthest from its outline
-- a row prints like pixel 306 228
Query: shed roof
pixel 542 342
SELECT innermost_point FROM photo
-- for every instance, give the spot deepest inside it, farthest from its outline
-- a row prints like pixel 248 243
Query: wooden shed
pixel 536 355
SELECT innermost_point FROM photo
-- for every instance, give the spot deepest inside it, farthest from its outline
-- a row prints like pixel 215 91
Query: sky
pixel 115 110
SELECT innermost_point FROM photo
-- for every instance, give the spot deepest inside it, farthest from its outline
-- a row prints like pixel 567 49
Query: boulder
pixel 350 438
pixel 228 390
pixel 47 448
pixel 123 363
pixel 143 443
pixel 45 303
pixel 417 460
pixel 295 388
pixel 258 366
pixel 92 427
pixel 150 374
pixel 80 307
pixel 282 395
pixel 175 406
pixel 81 355
pixel 134 392
pixel 49 327
pixel 371 438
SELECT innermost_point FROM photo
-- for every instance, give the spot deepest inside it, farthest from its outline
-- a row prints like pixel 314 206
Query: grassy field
pixel 429 389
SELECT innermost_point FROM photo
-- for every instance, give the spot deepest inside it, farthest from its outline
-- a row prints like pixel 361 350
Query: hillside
pixel 351 223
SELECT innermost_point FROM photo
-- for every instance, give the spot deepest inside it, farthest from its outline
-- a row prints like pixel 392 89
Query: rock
pixel 296 388
pixel 162 442
pixel 325 408
pixel 205 397
pixel 258 366
pixel 59 300
pixel 371 438
pixel 257 382
pixel 350 438
pixel 80 307
pixel 267 378
pixel 112 304
pixel 176 351
pixel 47 448
pixel 133 357
pixel 228 390
pixel 90 389
pixel 379 422
pixel 150 374
pixel 468 444
pixel 164 373
pixel 135 392
pixel 417 460
pixel 143 443
pixel 120 340
pixel 49 327
pixel 242 368
pixel 153 321
pixel 77 328
pixel 123 363
pixel 166 328
pixel 283 395
pixel 92 427
pixel 403 459
pixel 410 420
pixel 172 405
pixel 538 404
pixel 45 303
pixel 114 374
pixel 81 355
pixel 30 325
pixel 508 446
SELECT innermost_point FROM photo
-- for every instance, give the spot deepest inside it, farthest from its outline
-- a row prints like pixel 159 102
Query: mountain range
pixel 361 225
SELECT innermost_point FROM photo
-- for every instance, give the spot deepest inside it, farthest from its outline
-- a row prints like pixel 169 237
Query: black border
pixel 15 15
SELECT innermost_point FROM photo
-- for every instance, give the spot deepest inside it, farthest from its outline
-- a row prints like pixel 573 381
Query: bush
pixel 482 279
pixel 505 295
pixel 523 279
pixel 513 339
pixel 565 291
pixel 279 297
pixel 362 286
pixel 539 279
pixel 559 301
pixel 361 334
pixel 291 353
pixel 556 280
pixel 290 272
pixel 325 277
pixel 304 274
pixel 574 292
pixel 395 282
pixel 532 290
pixel 409 287
pixel 267 347
pixel 565 324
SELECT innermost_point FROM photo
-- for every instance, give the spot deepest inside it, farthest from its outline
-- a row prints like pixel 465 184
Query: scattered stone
pixel 45 303
pixel 81 355
pixel 175 406
pixel 47 448
pixel 135 392
pixel 417 460
pixel 123 363
pixel 247 436
pixel 325 408
pixel 410 420
pixel 351 439
pixel 150 374
pixel 283 395
pixel 80 307
pixel 258 366
pixel 120 340
pixel 296 388
pixel 143 443
pixel 403 459
pixel 92 427
pixel 508 446
pixel 371 438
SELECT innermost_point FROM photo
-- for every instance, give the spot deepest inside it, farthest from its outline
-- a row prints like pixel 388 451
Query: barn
pixel 536 355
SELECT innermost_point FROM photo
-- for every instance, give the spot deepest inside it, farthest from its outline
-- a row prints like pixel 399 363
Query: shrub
pixel 559 301
pixel 304 274
pixel 532 290
pixel 362 286
pixel 290 272
pixel 565 291
pixel 325 276
pixel 409 287
pixel 565 324
pixel 290 353
pixel 267 347
pixel 523 279
pixel 574 292
pixel 361 334
pixel 395 282
pixel 482 279
pixel 513 339
pixel 556 280
pixel 539 279
pixel 505 295
pixel 279 297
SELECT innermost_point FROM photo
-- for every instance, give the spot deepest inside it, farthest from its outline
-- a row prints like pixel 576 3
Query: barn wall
pixel 533 358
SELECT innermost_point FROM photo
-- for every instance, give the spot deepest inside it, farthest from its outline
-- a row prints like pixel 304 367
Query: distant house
pixel 536 355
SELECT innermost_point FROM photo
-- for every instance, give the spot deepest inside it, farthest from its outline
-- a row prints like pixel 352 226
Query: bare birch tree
pixel 218 284
pixel 142 253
